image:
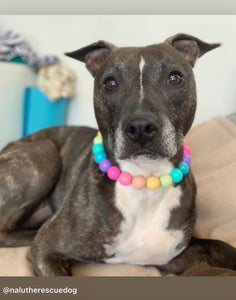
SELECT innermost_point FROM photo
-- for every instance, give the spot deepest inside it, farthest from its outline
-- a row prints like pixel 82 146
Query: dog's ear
pixel 93 55
pixel 189 46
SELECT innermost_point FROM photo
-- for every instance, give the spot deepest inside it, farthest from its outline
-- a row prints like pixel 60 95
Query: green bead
pixel 165 180
pixel 97 140
pixel 176 175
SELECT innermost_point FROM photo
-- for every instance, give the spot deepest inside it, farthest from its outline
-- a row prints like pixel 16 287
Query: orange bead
pixel 153 183
pixel 139 182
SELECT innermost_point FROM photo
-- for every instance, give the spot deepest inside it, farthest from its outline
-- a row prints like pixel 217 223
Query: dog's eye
pixel 110 84
pixel 175 78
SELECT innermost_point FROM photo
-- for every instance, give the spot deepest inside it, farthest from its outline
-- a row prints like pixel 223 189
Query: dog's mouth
pixel 141 155
pixel 146 157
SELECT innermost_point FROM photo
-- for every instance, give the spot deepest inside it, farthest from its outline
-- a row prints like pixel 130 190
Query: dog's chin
pixel 145 158
pixel 147 155
pixel 160 151
pixel 141 156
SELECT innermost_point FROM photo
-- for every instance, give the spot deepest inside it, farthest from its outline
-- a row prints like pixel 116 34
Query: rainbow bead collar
pixel 139 181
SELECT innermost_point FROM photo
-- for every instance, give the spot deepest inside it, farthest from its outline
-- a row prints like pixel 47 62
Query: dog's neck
pixel 146 167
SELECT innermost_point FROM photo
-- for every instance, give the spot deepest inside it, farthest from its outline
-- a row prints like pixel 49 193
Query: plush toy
pixel 13 46
pixel 57 81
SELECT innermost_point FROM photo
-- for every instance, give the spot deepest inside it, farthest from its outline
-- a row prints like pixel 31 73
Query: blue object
pixel 176 175
pixel 40 112
pixel 99 156
pixel 97 148
pixel 184 167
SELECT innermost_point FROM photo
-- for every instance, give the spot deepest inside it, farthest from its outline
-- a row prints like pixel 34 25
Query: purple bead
pixel 104 165
pixel 187 158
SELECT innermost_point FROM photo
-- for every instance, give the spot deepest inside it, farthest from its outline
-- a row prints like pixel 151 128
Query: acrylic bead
pixel 153 183
pixel 125 178
pixel 139 182
pixel 187 150
pixel 176 175
pixel 104 165
pixel 99 157
pixel 97 140
pixel 113 173
pixel 165 180
pixel 184 167
pixel 97 148
pixel 187 159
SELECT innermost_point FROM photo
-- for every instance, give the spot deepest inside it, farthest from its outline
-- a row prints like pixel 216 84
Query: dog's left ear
pixel 190 47
pixel 93 55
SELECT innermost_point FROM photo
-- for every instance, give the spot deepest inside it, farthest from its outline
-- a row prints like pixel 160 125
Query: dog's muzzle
pixel 140 130
pixel 145 135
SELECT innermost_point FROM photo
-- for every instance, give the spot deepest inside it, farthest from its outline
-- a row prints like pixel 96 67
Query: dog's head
pixel 144 97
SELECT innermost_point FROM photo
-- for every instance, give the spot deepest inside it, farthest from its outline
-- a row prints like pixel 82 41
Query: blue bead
pixel 97 148
pixel 176 175
pixel 99 156
pixel 184 167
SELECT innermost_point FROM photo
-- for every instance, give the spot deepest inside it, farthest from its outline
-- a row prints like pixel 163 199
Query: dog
pixel 54 197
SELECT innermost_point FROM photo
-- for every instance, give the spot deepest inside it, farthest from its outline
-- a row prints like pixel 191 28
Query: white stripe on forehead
pixel 141 66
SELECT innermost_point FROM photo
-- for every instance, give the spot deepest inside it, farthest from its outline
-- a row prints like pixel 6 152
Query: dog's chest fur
pixel 144 237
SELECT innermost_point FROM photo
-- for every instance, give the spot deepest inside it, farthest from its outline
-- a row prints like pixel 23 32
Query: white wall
pixel 215 72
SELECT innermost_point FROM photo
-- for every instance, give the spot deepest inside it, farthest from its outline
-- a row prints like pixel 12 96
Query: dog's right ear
pixel 93 55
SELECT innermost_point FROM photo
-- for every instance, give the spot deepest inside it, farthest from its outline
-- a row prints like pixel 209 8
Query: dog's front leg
pixel 46 254
pixel 203 257
pixel 46 263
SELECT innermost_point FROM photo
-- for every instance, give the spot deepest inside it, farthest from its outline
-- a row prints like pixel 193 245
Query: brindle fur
pixel 53 196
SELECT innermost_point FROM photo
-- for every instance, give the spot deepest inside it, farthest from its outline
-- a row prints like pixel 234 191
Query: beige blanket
pixel 213 145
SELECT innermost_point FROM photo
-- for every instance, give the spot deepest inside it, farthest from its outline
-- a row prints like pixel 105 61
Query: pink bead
pixel 185 144
pixel 113 173
pixel 187 150
pixel 139 182
pixel 125 178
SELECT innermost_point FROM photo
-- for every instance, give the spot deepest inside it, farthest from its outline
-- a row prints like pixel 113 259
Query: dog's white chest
pixel 144 237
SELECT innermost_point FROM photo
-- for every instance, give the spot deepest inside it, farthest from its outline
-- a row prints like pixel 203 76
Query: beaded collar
pixel 139 181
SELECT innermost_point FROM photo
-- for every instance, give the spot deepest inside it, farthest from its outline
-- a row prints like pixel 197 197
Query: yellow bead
pixel 97 140
pixel 99 133
pixel 153 183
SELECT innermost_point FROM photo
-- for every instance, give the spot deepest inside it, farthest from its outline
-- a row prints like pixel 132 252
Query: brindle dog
pixel 54 197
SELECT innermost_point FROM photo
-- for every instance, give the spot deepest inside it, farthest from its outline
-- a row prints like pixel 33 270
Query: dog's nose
pixel 140 130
